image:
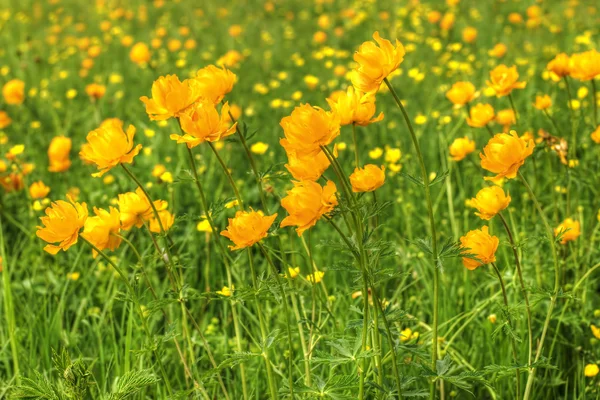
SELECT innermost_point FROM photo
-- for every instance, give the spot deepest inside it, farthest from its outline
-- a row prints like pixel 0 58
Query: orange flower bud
pixel 480 244
pixel 461 93
pixel 58 154
pixel 368 178
pixel 461 147
pixel 5 120
pixel 38 190
pixel 542 102
pixel 489 201
pixel 570 230
pixel 306 203
pixel 14 91
pixel 140 53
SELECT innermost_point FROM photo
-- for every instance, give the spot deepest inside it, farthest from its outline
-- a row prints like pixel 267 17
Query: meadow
pixel 265 199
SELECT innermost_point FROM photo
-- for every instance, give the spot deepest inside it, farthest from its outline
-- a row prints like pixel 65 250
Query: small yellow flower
pixel 293 272
pixel 259 148
pixel 73 276
pixel 317 277
pixel 226 291
pixel 591 370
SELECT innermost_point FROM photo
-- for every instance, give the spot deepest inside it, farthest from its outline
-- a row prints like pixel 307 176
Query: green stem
pixel 228 175
pixel 512 105
pixel 356 151
pixel 553 297
pixel 513 342
pixel 425 177
pixel 287 318
pixel 523 289
pixel 595 102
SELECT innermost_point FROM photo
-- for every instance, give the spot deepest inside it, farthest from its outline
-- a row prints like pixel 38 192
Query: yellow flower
pixel 95 90
pixel 596 135
pixel 480 244
pixel 506 118
pixel 307 167
pixel 569 229
pixel 595 331
pixel 461 147
pixel 170 97
pixel 248 228
pixel 480 115
pixel 355 107
pixel 489 201
pixel 585 66
pixel 293 272
pixel 214 83
pixel 504 154
pixel 109 146
pixel 73 276
pixel 498 51
pixel 204 226
pixel 62 224
pixel 306 203
pixel 259 148
pixel 226 291
pixel 5 120
pixel 504 79
pixel 308 128
pixel 58 154
pixel 14 91
pixel 591 370
pixel 166 220
pixel 406 335
pixel 140 53
pixel 368 178
pixel 461 93
pixel 38 190
pixel 375 63
pixel 101 230
pixel 202 122
pixel 317 277
pixel 469 34
pixel 136 209
pixel 559 66
pixel 542 102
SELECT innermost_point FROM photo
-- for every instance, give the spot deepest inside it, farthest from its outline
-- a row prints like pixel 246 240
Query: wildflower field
pixel 316 199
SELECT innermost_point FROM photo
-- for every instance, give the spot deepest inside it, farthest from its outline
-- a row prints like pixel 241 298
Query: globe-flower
pixel 375 63
pixel 202 122
pixel 306 203
pixel 95 90
pixel 110 146
pixel 308 128
pixel 5 120
pixel 38 190
pixel 506 118
pixel 569 229
pixel 480 115
pixel 542 102
pixel 355 107
pixel 248 228
pixel 591 370
pixel 307 168
pixel 596 135
pixel 480 246
pixel 585 66
pixel 559 66
pixel 135 209
pixel 166 220
pixel 170 97
pixel 102 229
pixel 504 79
pixel 140 53
pixel 61 224
pixel 58 154
pixel 214 83
pixel 14 91
pixel 489 201
pixel 367 179
pixel 504 154
pixel 461 93
pixel 461 147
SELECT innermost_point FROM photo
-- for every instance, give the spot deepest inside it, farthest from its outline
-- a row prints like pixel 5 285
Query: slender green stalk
pixel 523 289
pixel 9 309
pixel 287 318
pixel 228 175
pixel 595 101
pixel 513 341
pixel 489 129
pixel 263 329
pixel 215 233
pixel 553 297
pixel 425 177
pixel 512 105
pixel 573 144
pixel 356 150
pixel 552 121
pixel 133 294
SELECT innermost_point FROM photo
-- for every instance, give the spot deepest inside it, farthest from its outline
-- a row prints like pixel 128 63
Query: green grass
pixel 84 338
